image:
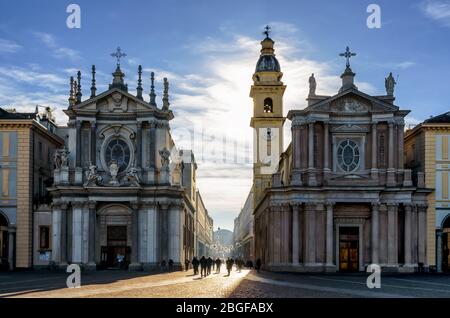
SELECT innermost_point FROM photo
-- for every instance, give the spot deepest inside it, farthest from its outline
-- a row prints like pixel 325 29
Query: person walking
pixel 229 264
pixel 218 264
pixel 258 264
pixel 203 263
pixel 186 265
pixel 195 264
pixel 209 264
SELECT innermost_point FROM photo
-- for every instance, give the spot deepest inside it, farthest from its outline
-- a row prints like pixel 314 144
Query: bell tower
pixel 267 122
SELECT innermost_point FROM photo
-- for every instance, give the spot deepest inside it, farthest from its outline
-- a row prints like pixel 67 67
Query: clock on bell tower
pixel 267 121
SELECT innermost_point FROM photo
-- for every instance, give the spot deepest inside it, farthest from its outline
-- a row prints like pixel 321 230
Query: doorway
pixel 116 253
pixel 3 243
pixel 349 249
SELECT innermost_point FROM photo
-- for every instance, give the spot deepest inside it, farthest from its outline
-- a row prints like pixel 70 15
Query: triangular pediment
pixel 352 101
pixel 115 101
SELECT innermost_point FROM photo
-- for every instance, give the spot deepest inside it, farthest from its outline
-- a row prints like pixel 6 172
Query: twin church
pixel 338 197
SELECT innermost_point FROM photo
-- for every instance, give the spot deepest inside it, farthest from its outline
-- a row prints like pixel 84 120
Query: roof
pixel 267 63
pixel 443 118
pixel 4 114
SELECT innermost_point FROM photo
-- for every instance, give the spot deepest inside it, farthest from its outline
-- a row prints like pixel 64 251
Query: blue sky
pixel 208 50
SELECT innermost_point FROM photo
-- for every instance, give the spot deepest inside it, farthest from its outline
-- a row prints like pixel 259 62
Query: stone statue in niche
pixel 57 159
pixel 92 176
pixel 64 156
pixel 165 158
pixel 113 171
pixel 132 177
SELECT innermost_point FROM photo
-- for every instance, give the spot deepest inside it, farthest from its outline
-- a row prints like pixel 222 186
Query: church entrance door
pixel 117 253
pixel 3 243
pixel 348 249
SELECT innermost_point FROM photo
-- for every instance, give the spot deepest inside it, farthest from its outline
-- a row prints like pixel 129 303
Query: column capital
pixel 77 204
pixel 78 123
pixel 92 204
pixel 330 204
pixel 375 205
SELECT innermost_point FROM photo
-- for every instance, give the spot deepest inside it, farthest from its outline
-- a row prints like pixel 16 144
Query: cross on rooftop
pixel 347 54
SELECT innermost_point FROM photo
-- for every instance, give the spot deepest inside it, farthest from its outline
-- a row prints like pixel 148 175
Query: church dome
pixel 267 63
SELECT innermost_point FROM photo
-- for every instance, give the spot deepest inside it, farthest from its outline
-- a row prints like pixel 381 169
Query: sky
pixel 208 50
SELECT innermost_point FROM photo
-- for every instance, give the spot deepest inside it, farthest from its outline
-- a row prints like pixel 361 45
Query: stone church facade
pixel 338 198
pixel 119 199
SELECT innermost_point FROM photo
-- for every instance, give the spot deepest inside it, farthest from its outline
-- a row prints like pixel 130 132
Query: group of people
pixel 205 264
pixel 208 264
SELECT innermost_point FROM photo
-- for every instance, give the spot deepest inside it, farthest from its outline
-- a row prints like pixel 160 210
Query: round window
pixel 348 155
pixel 119 151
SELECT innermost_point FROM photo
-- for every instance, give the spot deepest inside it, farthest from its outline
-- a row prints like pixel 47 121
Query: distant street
pixel 245 284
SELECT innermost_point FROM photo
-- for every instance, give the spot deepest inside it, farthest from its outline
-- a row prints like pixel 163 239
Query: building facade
pixel 123 195
pixel 243 231
pixel 204 226
pixel 339 197
pixel 27 144
pixel 427 150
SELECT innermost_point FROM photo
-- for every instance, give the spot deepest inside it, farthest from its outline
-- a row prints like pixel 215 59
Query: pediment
pixel 352 101
pixel 115 101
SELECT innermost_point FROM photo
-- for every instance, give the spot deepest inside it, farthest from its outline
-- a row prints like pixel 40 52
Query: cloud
pixel 437 10
pixel 7 46
pixel 58 51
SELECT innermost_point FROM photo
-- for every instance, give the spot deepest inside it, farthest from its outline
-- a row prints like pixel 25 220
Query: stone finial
pixel 166 103
pixel 312 85
pixel 72 92
pixel 139 86
pixel 389 83
pixel 79 94
pixel 152 89
pixel 93 88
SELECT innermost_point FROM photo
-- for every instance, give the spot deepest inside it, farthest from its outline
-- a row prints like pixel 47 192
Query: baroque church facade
pixel 119 196
pixel 338 198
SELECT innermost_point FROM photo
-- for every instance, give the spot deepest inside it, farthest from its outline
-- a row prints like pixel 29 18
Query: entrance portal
pixel 3 243
pixel 348 249
pixel 446 245
pixel 116 254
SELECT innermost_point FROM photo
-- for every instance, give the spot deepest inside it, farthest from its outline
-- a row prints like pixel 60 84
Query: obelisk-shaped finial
pixel 139 86
pixel 71 93
pixel 152 89
pixel 93 88
pixel 165 99
pixel 79 87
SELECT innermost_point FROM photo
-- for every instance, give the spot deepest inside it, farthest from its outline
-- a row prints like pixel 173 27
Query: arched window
pixel 268 105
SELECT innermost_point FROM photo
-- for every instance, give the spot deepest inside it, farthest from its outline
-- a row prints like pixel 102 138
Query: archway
pixel 446 244
pixel 114 224
pixel 3 242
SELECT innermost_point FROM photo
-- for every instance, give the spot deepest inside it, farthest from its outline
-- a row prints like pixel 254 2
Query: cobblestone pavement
pixel 245 284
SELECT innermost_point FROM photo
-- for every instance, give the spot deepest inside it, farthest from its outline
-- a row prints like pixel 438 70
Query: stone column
pixel 175 235
pixel 329 244
pixel 392 235
pixel 310 243
pixel 134 264
pixel 311 169
pixel 152 235
pixel 296 178
pixel 374 170
pixel 77 232
pixel 400 142
pixel 163 237
pixel 295 236
pixel 63 237
pixel 93 143
pixel 375 233
pixel 408 237
pixel 422 220
pixel 139 145
pixel 326 150
pixel 56 233
pixel 92 226
pixel 11 238
pixel 391 166
pixel 78 143
pixel 439 251
pixel 151 153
